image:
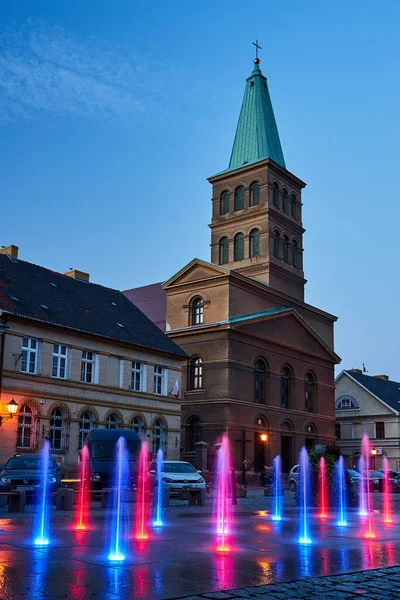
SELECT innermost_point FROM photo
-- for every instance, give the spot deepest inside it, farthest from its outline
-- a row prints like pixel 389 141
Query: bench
pixel 16 500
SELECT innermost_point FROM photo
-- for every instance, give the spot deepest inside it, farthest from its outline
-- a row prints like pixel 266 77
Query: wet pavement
pixel 181 560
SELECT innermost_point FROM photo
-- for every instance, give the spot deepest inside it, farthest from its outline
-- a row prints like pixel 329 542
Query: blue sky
pixel 114 113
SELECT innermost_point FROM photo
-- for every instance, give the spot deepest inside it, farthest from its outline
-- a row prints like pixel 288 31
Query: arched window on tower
pixel 293 205
pixel 285 248
pixel 238 247
pixel 285 387
pixel 239 198
pixel 193 433
pixel 309 393
pixel 284 200
pixel 294 253
pixel 223 251
pixel 259 381
pixel 254 193
pixel 195 373
pixel 197 311
pixel 254 242
pixel 224 203
pixel 275 191
pixel 276 243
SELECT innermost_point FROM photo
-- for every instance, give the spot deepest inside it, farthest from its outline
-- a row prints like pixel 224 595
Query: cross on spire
pixel 257 49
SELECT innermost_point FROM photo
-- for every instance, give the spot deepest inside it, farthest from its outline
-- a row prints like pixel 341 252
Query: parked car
pixel 375 481
pixel 294 478
pixel 355 477
pixel 394 478
pixel 23 472
pixel 179 475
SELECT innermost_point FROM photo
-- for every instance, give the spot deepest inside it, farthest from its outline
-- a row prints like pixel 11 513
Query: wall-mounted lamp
pixel 264 437
pixel 12 408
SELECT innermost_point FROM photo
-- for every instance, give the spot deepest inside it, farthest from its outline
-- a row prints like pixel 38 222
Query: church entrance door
pixel 286 453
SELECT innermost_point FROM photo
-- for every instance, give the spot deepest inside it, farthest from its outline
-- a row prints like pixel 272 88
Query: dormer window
pixel 346 403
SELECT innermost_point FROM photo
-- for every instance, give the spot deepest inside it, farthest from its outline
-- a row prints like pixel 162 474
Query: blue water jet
pixel 118 511
pixel 159 491
pixel 304 491
pixel 277 512
pixel 341 492
pixel 41 535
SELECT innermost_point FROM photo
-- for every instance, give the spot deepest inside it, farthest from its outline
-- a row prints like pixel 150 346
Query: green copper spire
pixel 257 135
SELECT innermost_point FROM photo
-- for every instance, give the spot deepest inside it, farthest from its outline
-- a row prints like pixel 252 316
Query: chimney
pixel 354 371
pixel 75 274
pixel 384 377
pixel 11 251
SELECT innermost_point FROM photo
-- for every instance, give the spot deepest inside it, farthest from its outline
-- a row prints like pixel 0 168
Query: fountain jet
pixel 341 487
pixel 387 501
pixel 42 516
pixel 323 489
pixel 118 512
pixel 142 503
pixel 158 492
pixel 82 507
pixel 223 486
pixel 304 491
pixel 277 514
pixel 369 503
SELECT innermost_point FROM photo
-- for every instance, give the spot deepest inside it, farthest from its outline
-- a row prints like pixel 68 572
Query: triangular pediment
pixel 196 270
pixel 287 328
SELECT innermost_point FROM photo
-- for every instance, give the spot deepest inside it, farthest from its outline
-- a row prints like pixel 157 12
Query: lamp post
pixel 12 408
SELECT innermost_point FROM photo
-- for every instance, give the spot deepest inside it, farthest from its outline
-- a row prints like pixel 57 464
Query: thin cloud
pixel 47 70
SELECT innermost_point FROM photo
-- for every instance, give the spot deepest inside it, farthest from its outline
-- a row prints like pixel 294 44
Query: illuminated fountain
pixel 304 491
pixel 158 491
pixel 362 493
pixel 118 508
pixel 322 489
pixel 277 511
pixel 223 486
pixel 387 501
pixel 368 499
pixel 82 507
pixel 143 495
pixel 41 535
pixel 341 492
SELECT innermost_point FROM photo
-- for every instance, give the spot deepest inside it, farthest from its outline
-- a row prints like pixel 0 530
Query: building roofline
pixel 367 390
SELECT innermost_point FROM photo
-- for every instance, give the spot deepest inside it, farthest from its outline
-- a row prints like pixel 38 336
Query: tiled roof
pixel 386 390
pixel 33 292
pixel 257 136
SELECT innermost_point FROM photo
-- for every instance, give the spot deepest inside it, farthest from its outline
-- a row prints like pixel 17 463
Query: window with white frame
pixel 59 361
pixel 88 366
pixel 159 436
pixel 30 353
pixel 56 429
pixel 137 376
pixel 112 421
pixel 159 380
pixel 139 425
pixel 85 425
pixel 26 428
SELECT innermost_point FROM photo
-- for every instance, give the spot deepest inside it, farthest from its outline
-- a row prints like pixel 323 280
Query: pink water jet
pixel 223 486
pixel 365 450
pixel 387 500
pixel 323 489
pixel 82 507
pixel 143 495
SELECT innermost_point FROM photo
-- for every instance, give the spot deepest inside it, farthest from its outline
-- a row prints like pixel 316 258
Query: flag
pixel 175 390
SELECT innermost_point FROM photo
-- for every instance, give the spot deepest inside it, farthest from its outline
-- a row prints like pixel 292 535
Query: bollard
pixel 64 499
pixel 16 501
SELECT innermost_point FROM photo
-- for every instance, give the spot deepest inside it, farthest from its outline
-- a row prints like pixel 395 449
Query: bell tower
pixel 256 226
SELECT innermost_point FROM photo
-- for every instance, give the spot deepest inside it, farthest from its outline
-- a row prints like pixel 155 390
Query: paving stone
pixel 218 596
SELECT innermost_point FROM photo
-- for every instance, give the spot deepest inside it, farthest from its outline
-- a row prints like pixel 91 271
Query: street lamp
pixel 264 437
pixel 12 408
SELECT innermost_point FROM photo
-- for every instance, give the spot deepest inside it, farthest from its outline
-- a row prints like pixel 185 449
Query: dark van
pixel 102 445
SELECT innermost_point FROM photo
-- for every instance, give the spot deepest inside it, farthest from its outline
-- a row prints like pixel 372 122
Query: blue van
pixel 102 445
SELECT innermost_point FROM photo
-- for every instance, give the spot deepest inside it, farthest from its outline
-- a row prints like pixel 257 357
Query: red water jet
pixel 323 489
pixel 143 495
pixel 82 507
pixel 387 500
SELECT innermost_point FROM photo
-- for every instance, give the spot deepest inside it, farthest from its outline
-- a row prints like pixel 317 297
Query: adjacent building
pixel 261 360
pixel 75 355
pixel 368 404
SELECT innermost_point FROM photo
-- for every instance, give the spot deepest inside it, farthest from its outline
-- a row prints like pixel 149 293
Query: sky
pixel 113 114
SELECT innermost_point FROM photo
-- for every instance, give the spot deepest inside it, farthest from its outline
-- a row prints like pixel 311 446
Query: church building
pixel 261 360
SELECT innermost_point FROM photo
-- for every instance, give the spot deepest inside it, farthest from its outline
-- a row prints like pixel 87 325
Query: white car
pixel 179 475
